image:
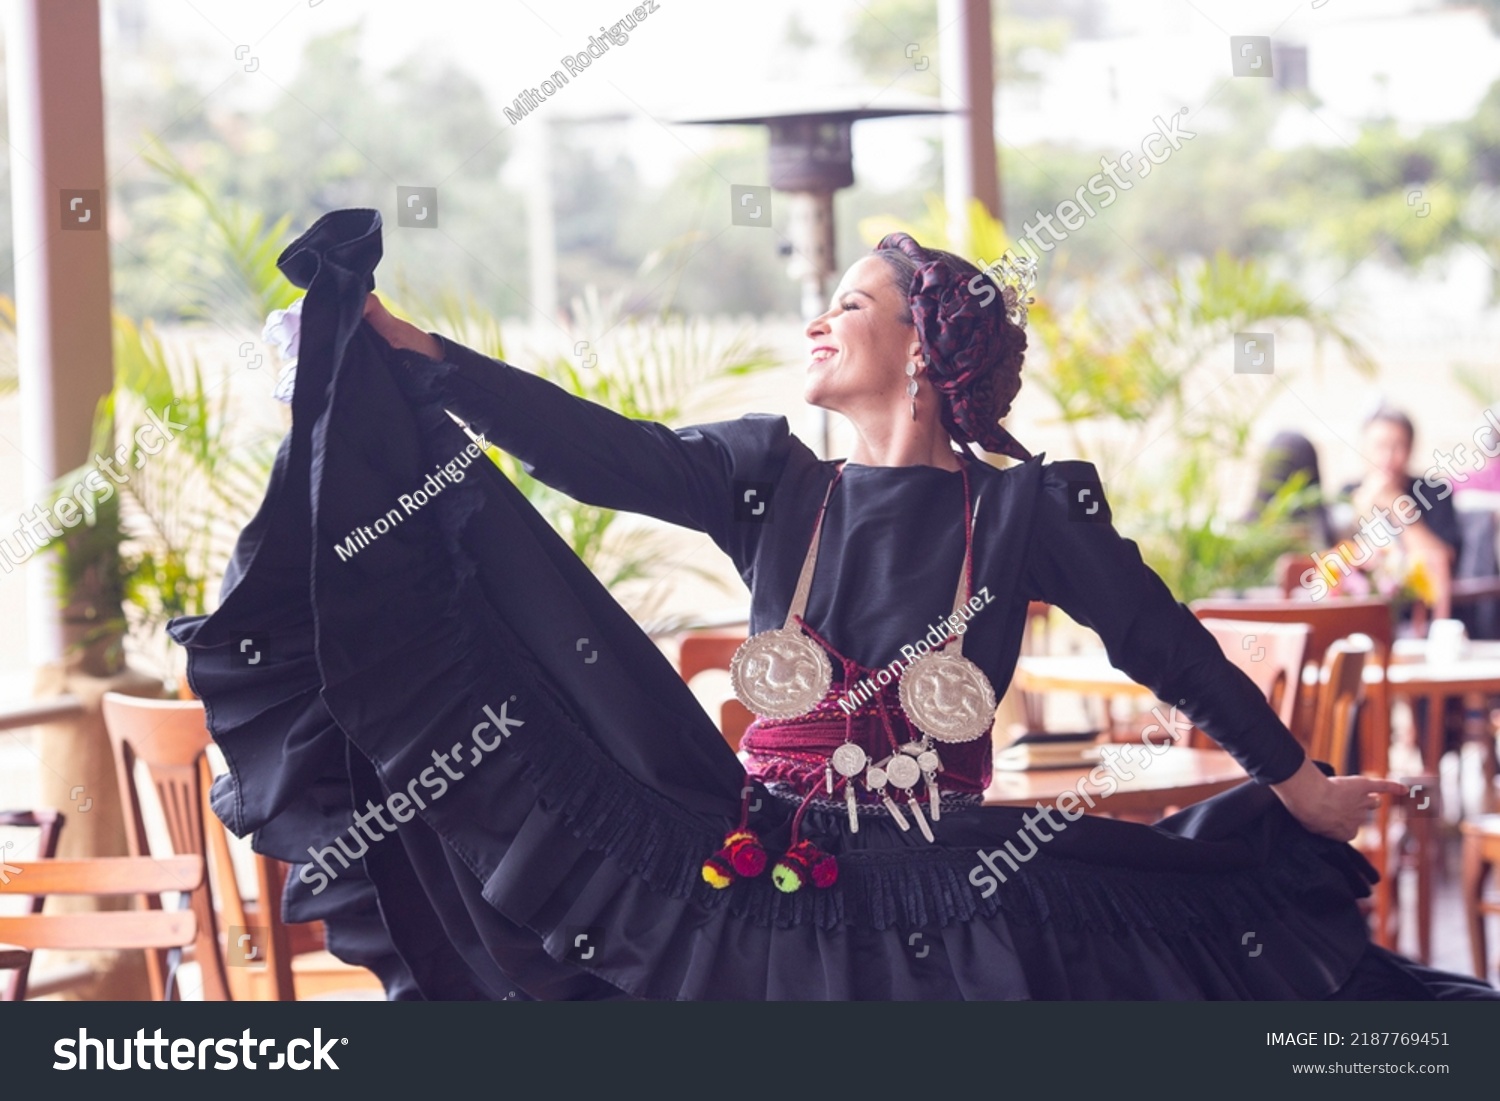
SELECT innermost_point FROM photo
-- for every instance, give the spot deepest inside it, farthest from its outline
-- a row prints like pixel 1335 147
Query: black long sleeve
pixel 1079 562
pixel 690 476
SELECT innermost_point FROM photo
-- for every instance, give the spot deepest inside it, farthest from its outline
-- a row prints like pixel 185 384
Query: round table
pixel 1413 676
pixel 1088 674
pixel 1156 783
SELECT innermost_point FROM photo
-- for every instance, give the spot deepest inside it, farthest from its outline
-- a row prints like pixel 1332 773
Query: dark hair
pixel 1288 455
pixel 974 353
pixel 1389 414
pixel 903 270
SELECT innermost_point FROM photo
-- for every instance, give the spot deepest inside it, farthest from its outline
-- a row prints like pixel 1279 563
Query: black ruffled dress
pixel 492 784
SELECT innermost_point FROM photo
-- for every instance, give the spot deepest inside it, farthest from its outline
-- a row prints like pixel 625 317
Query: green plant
pixel 168 523
pixel 232 276
pixel 90 580
pixel 150 548
pixel 646 368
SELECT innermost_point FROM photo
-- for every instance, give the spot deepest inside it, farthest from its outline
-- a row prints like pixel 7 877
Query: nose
pixel 818 326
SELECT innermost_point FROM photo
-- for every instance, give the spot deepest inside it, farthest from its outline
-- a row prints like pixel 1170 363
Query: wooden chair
pixel 1289 570
pixel 1271 654
pixel 170 738
pixel 48 825
pixel 155 930
pixel 1341 693
pixel 1339 697
pixel 1328 621
pixel 704 650
pixel 13 958
pixel 1481 856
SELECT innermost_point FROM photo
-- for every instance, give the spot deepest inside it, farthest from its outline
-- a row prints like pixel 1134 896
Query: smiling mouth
pixel 822 354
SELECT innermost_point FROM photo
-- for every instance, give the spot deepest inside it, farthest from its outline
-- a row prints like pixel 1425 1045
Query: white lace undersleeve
pixel 283 331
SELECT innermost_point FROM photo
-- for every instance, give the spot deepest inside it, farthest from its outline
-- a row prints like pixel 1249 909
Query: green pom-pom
pixel 786 878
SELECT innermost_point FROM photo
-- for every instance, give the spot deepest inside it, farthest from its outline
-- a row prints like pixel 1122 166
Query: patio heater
pixel 811 158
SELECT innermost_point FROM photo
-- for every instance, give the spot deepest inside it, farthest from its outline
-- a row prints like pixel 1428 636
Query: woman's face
pixel 859 348
pixel 1387 448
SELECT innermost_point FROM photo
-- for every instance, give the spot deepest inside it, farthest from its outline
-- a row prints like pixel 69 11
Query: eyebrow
pixel 856 290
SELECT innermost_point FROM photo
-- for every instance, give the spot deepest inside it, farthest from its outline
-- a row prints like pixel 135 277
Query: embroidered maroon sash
pixel 794 751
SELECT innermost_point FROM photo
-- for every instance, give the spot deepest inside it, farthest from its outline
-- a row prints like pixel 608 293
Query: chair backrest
pixel 153 929
pixel 48 825
pixel 1269 653
pixel 170 738
pixel 704 650
pixel 1339 697
pixel 1036 638
pixel 1328 621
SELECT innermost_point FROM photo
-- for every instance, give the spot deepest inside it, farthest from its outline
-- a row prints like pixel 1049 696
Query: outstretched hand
pixel 398 333
pixel 1334 806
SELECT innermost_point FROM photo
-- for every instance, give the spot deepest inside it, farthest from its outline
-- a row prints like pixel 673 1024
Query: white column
pixel 535 139
pixel 62 276
pixel 969 167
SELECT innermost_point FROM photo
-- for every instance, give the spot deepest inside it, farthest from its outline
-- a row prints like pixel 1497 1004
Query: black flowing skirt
pixel 536 789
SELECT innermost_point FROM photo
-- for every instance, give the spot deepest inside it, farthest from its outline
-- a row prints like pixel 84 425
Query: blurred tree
pixel 696 259
pixel 882 34
pixel 341 133
pixel 337 135
pixel 591 189
pixel 1491 9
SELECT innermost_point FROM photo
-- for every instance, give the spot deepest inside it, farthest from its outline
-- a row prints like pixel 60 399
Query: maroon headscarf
pixel 973 350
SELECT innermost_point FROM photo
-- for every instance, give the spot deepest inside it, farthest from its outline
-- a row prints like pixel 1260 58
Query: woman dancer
pixel 493 785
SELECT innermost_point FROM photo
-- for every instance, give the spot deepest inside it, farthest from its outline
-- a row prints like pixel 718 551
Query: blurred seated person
pixel 1290 464
pixel 1408 531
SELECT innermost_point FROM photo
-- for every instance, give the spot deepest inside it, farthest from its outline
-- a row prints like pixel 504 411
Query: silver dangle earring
pixel 911 387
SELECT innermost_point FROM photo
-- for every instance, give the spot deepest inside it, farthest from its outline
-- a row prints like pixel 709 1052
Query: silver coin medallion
pixel 780 674
pixel 903 772
pixel 948 697
pixel 849 760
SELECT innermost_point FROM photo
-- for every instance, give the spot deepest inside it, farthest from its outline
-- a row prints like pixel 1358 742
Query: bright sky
pixel 686 57
pixel 693 57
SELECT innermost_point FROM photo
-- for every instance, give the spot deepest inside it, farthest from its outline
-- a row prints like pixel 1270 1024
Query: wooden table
pixel 1412 676
pixel 1089 674
pixel 1177 777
